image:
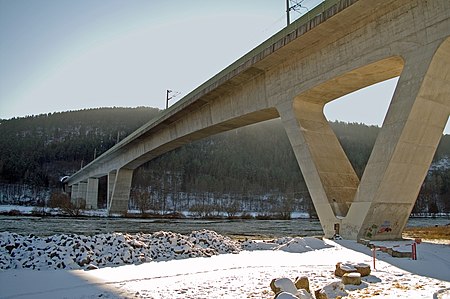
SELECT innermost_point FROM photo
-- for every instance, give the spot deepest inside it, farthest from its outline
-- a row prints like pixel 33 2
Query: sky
pixel 59 55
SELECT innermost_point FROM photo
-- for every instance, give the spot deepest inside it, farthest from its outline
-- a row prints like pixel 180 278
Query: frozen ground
pixel 246 274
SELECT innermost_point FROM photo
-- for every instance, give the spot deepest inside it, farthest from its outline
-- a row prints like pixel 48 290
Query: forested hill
pixel 38 149
pixel 252 162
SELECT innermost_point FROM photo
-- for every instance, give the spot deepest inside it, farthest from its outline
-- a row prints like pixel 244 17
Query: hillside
pixel 37 150
pixel 247 169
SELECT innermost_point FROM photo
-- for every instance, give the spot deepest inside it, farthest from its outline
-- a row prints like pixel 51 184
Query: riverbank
pixel 251 228
pixel 16 210
pixel 246 274
pixel 428 233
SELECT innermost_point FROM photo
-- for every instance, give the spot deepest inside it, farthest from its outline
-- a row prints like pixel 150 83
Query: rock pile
pixel 350 273
pixel 343 268
pixel 284 288
pixel 90 252
pixel 115 249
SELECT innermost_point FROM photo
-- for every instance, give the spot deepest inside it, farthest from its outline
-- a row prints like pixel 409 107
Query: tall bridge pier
pixel 379 205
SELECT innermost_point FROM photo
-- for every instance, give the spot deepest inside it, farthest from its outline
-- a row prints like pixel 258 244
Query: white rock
pixel 285 285
pixel 332 290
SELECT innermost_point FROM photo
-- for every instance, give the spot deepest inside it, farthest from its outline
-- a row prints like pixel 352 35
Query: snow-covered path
pixel 243 275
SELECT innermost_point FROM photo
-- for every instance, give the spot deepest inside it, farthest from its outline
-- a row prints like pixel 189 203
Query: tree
pixel 70 207
pixel 232 207
pixel 142 200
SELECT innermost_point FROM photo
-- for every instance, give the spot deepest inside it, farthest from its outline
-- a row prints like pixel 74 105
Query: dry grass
pixel 431 232
pixel 426 233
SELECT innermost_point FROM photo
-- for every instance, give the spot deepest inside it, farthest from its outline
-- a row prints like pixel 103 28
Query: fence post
pixel 414 251
pixel 374 254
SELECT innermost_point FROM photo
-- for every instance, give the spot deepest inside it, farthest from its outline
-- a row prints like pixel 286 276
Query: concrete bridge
pixel 337 48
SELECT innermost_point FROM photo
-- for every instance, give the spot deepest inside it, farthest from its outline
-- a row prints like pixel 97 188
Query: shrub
pixel 62 201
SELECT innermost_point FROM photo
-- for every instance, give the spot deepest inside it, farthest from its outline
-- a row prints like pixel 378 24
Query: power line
pixel 297 5
pixel 294 5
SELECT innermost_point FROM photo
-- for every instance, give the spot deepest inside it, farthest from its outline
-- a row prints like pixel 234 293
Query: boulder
pixel 343 268
pixel 363 269
pixel 351 278
pixel 302 283
pixel 274 289
pixel 283 285
pixel 331 291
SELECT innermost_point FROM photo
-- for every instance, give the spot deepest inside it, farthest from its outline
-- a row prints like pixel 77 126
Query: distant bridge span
pixel 337 48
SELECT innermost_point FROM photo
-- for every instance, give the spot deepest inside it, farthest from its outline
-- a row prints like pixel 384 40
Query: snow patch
pixel 293 245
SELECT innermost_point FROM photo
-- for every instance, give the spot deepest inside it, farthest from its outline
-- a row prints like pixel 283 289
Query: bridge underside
pixel 325 61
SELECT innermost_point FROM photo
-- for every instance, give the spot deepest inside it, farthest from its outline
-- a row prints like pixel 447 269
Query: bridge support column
pixel 405 146
pixel 329 176
pixel 121 191
pixel 110 186
pixel 379 206
pixel 92 194
pixel 74 192
pixel 82 190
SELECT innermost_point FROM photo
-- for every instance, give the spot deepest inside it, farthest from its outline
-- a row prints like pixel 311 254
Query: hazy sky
pixel 58 55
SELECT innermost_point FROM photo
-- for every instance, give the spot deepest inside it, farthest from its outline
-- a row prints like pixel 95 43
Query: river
pixel 45 226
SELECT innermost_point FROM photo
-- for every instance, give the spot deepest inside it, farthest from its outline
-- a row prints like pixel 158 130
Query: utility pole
pixel 169 96
pixel 296 6
pixel 288 9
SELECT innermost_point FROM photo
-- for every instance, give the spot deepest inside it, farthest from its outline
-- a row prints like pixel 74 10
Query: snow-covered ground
pixel 246 274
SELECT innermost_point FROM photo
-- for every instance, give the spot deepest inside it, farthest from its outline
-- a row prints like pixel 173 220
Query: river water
pixel 45 226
